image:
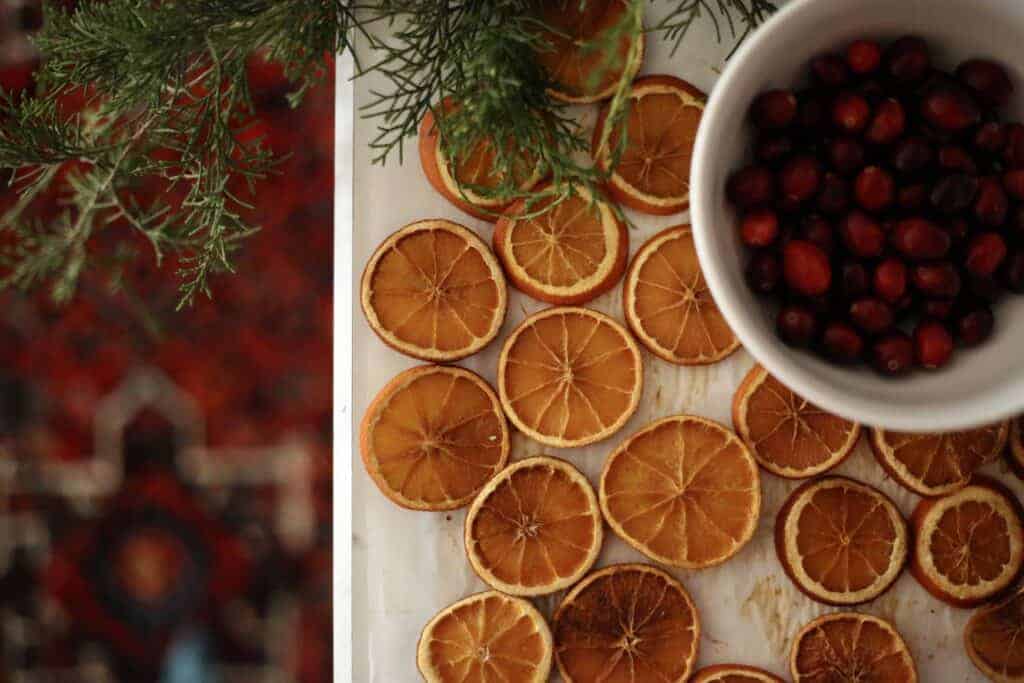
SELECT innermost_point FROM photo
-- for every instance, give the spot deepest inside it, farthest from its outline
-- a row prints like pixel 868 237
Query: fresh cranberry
pixel 933 344
pixel 751 186
pixel 956 158
pixel 806 268
pixel 890 280
pixel 764 273
pixel 773 148
pixel 851 112
pixel 954 193
pixel 830 70
pixel 991 205
pixel 774 109
pixel 871 315
pixel 887 124
pixel 893 354
pixel 907 59
pixel 800 179
pixel 796 325
pixel 846 155
pixel 912 197
pixel 990 137
pixel 975 326
pixel 842 342
pixel 988 80
pixel 939 309
pixel 863 56
pixel 874 188
pixel 818 232
pixel 920 239
pixel 759 228
pixel 862 234
pixel 950 108
pixel 911 155
pixel 1013 183
pixel 985 254
pixel 936 280
pixel 834 196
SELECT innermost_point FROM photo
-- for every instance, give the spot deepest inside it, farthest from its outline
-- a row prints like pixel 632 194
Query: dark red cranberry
pixel 813 112
pixel 954 193
pixel 893 354
pixel 912 197
pixel 991 205
pixel 751 186
pixel 759 228
pixel 907 59
pixel 805 268
pixel 834 196
pixel 863 56
pixel 854 281
pixel 936 280
pixel 774 109
pixel 1013 151
pixel 887 124
pixel 818 232
pixel 939 309
pixel 874 188
pixel 773 149
pixel 1012 273
pixel 1013 183
pixel 955 158
pixel 846 155
pixel 890 280
pixel 871 315
pixel 800 179
pixel 796 325
pixel 990 137
pixel 850 112
pixel 830 70
pixel 988 80
pixel 919 239
pixel 975 326
pixel 985 254
pixel 862 234
pixel 842 342
pixel 933 344
pixel 911 155
pixel 764 272
pixel 950 108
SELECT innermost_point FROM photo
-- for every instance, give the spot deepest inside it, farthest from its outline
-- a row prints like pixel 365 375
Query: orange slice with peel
pixel 535 528
pixel 733 673
pixel 569 377
pixel 994 639
pixel 969 545
pixel 566 251
pixel 789 437
pixel 434 291
pixel 840 541
pixel 684 491
pixel 849 647
pixel 668 304
pixel 628 623
pixel 581 72
pixel 486 638
pixel 653 172
pixel 433 437
pixel 455 180
pixel 937 464
pixel 1015 446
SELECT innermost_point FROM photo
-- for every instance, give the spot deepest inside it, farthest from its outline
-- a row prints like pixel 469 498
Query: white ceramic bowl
pixel 980 385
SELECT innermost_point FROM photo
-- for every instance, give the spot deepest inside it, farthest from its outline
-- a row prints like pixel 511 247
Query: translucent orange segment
pixel 673 305
pixel 660 130
pixel 845 538
pixel 852 648
pixel 560 246
pixel 971 544
pixel 943 459
pixel 995 636
pixel 627 626
pixel 488 640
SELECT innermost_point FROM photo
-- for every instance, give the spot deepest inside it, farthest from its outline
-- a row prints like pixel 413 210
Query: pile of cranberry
pixel 885 198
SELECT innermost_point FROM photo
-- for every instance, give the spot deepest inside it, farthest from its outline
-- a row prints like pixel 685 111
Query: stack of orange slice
pixel 848 647
pixel 668 304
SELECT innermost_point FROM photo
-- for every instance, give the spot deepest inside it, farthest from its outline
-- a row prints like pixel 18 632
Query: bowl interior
pixel 980 385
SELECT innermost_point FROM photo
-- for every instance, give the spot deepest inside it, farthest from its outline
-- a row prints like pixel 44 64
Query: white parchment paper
pixel 408 565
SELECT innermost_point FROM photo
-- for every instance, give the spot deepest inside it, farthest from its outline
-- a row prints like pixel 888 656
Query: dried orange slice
pixel 434 291
pixel 535 528
pixel 789 436
pixel 969 545
pixel 580 72
pixel 733 673
pixel 486 638
pixel 937 464
pixel 569 376
pixel 994 638
pixel 1015 446
pixel 840 541
pixel 628 623
pixel 567 252
pixel 653 172
pixel 668 305
pixel 683 490
pixel 848 647
pixel 455 180
pixel 433 437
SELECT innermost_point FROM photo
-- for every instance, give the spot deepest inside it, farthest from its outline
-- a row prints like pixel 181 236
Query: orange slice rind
pixel 433 436
pixel 569 377
pixel 535 528
pixel 993 640
pixel 1015 446
pixel 684 491
pixel 628 623
pixel 668 304
pixel 733 673
pixel 848 647
pixel 434 291
pixel 486 637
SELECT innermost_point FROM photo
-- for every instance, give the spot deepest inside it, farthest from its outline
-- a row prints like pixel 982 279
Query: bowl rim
pixel 953 414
